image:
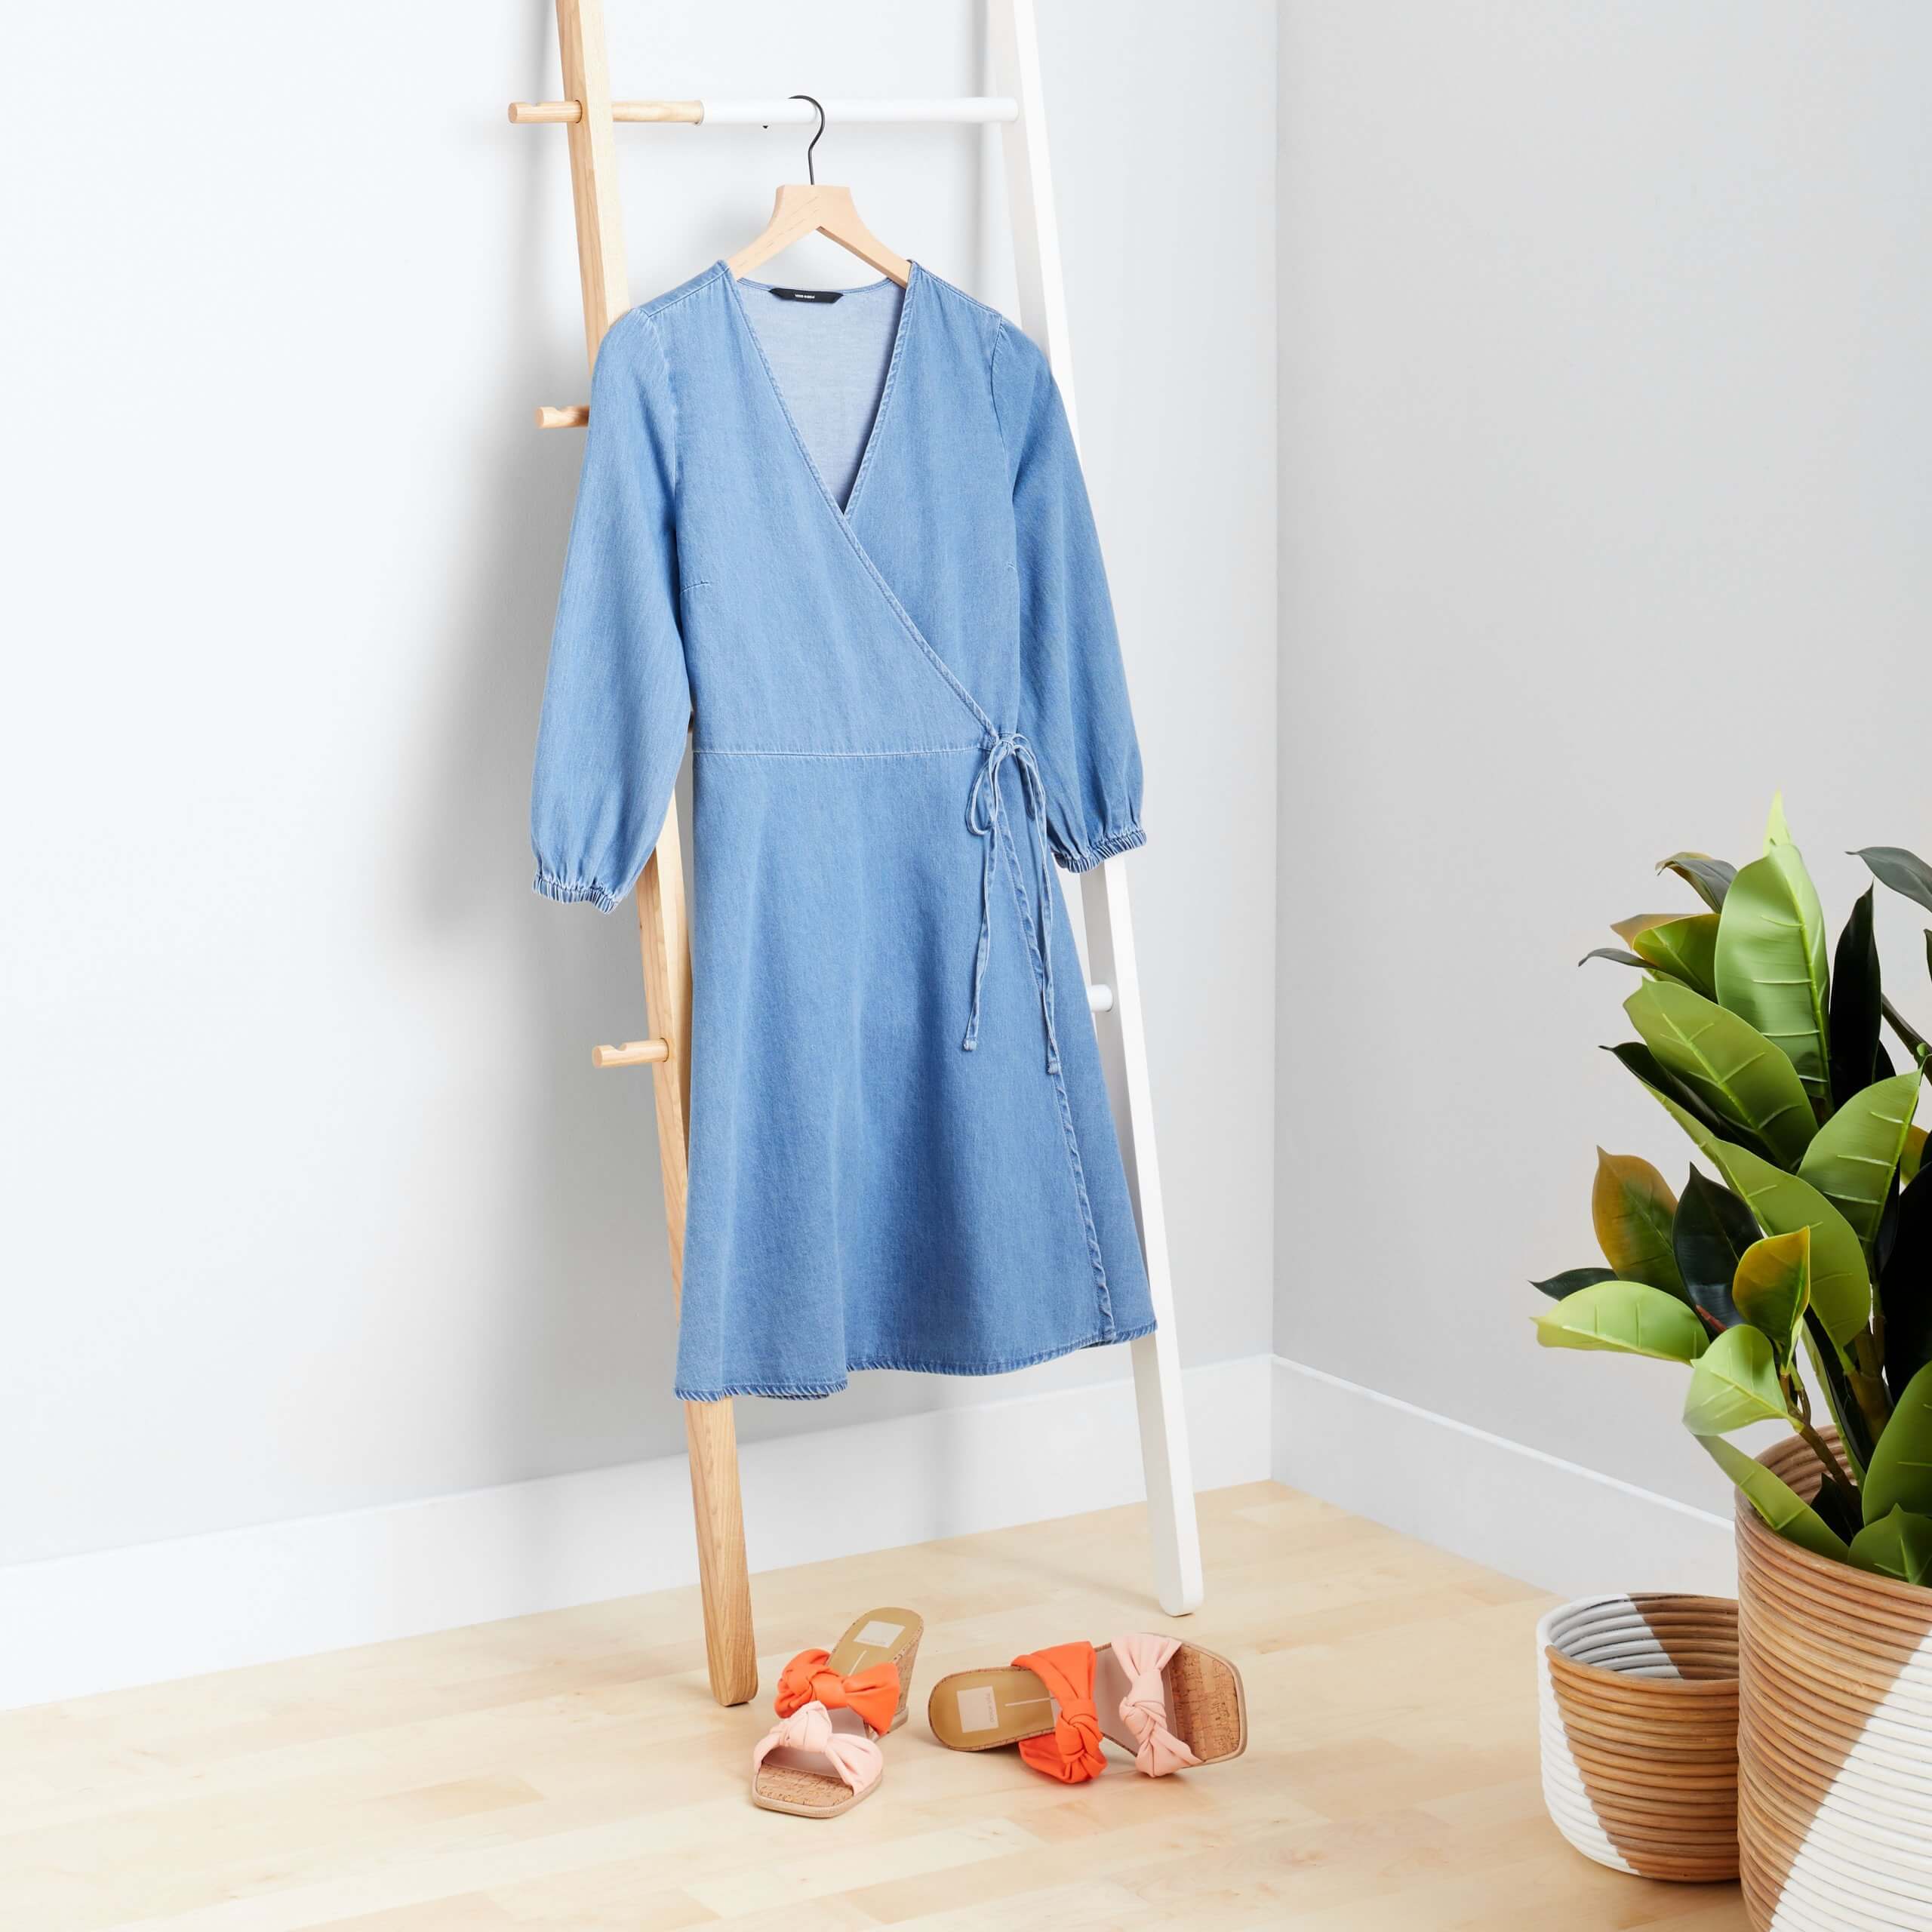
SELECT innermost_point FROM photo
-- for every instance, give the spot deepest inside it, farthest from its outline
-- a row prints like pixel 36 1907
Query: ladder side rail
pixel 1111 959
pixel 664 939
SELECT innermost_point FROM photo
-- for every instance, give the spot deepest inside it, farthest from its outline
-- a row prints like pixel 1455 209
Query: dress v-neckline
pixel 841 511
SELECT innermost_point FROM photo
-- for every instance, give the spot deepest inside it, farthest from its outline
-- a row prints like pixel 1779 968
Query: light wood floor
pixel 570 1770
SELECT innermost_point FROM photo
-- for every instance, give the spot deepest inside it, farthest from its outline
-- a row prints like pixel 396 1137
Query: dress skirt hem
pixel 813 1390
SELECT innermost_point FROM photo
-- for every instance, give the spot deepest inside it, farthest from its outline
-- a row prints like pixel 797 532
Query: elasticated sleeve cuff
pixel 1088 856
pixel 566 893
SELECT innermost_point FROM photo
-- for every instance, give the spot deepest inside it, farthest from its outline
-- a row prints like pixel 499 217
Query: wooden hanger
pixel 816 207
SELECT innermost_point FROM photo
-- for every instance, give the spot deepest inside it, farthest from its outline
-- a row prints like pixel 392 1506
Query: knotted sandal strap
pixel 857 1761
pixel 873 1694
pixel 1071 1750
pixel 1144 1655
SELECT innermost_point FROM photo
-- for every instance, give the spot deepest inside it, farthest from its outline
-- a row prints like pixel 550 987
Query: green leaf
pixel 1776 832
pixel 1855 1005
pixel 1855 1154
pixel 1735 1383
pixel 1712 1229
pixel 1570 1280
pixel 1899 1545
pixel 1710 879
pixel 1632 1207
pixel 1782 1204
pixel 1633 929
pixel 1904 1288
pixel 1614 952
pixel 1780 1506
pixel 1770 962
pixel 1833 1376
pixel 1738 1075
pixel 1838 1509
pixel 1772 1287
pixel 1900 1474
pixel 1902 871
pixel 1910 1161
pixel 1687 950
pixel 1914 1042
pixel 1664 1084
pixel 1627 1318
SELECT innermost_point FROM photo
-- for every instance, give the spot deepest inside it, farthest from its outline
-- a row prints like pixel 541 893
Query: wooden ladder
pixel 589 113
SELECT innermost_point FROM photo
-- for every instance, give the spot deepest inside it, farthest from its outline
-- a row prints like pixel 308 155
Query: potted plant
pixel 1807 1244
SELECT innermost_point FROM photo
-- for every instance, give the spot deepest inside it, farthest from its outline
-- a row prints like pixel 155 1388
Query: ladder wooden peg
pixel 1099 998
pixel 632 1053
pixel 565 416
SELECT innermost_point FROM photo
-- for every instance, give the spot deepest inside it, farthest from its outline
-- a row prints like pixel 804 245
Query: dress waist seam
pixel 912 751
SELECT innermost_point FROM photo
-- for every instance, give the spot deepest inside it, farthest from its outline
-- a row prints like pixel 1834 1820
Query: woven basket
pixel 1639 1714
pixel 1834 1793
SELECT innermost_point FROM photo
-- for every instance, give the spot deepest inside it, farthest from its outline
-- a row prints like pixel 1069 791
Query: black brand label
pixel 808 295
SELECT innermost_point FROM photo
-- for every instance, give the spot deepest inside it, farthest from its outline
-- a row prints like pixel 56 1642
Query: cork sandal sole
pixel 786 1782
pixel 979 1710
pixel 804 1782
pixel 1207 1705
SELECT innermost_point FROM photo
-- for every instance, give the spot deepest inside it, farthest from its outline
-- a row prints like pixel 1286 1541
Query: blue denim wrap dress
pixel 906 703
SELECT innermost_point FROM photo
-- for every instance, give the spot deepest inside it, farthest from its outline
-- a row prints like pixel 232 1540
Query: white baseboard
pixel 78 1625
pixel 1514 1509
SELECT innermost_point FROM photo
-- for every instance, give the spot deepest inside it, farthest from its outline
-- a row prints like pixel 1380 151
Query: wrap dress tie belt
pixel 986 818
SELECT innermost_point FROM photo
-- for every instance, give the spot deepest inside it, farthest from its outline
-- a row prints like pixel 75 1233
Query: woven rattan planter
pixel 1639 1713
pixel 1835 1790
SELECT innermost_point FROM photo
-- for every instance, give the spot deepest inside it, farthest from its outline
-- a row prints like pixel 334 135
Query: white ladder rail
pixel 1013 35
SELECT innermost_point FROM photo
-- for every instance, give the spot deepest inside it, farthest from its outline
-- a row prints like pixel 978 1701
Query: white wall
pixel 1607 479
pixel 314 1201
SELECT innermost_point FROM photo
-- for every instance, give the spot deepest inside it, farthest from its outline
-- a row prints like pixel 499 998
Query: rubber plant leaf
pixel 1897 1545
pixel 1914 1154
pixel 1686 949
pixel 1740 1076
pixel 1902 871
pixel 1854 1156
pixel 1710 879
pixel 1625 1318
pixel 1712 1229
pixel 1570 1280
pixel 1772 1289
pixel 1856 1005
pixel 1616 953
pixel 1787 1512
pixel 1781 1203
pixel 1734 1383
pixel 1664 1084
pixel 1899 1475
pixel 1904 1288
pixel 1632 1208
pixel 1629 929
pixel 1829 1369
pixel 1771 964
pixel 1838 1509
pixel 1777 831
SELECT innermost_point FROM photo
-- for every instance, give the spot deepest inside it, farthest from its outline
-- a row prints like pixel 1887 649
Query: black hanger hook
pixel 809 176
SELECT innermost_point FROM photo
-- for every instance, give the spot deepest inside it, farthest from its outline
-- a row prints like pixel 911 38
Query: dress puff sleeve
pixel 617 701
pixel 1073 693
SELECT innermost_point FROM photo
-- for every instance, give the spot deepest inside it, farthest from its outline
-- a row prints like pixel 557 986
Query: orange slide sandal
pixel 822 1756
pixel 1173 1704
